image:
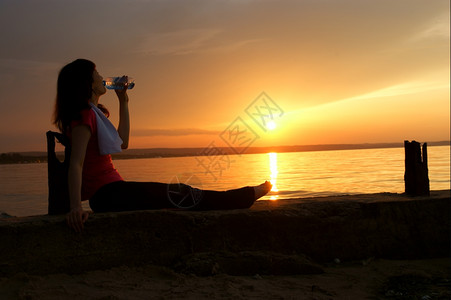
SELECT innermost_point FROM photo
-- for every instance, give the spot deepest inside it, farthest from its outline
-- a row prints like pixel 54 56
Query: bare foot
pixel 262 189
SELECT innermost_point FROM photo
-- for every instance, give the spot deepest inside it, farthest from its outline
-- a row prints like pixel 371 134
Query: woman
pixel 79 115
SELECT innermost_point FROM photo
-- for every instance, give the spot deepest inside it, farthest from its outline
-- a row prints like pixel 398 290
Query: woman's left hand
pixel 122 94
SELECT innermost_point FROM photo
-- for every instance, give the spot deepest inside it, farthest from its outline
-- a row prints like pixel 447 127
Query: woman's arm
pixel 80 138
pixel 124 116
pixel 124 123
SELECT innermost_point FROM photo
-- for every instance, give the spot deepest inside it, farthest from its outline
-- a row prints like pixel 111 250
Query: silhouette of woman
pixel 92 176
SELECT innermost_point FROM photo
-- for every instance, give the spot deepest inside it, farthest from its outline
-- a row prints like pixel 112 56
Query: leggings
pixel 129 195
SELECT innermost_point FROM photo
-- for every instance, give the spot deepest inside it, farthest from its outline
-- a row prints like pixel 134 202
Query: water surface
pixel 23 187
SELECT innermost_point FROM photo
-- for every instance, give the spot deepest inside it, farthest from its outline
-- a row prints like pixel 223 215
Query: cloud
pixel 407 88
pixel 413 87
pixel 188 41
pixel 438 28
pixel 173 132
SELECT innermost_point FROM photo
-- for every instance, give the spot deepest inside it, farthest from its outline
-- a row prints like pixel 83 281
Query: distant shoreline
pixel 41 157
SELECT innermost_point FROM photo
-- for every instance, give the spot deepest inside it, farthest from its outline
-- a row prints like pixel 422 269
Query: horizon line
pixel 341 146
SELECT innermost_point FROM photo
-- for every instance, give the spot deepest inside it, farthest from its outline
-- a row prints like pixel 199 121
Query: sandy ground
pixel 371 279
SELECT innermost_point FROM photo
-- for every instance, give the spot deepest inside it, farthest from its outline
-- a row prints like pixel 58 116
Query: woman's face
pixel 97 84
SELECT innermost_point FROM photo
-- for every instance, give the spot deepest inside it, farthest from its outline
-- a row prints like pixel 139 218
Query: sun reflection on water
pixel 273 174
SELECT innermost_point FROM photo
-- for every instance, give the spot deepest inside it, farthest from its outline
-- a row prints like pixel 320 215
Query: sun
pixel 271 125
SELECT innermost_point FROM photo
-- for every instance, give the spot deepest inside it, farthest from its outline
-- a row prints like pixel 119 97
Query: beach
pixel 369 246
pixel 375 279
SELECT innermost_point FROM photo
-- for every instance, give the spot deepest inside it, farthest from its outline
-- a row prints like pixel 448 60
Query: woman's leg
pixel 127 195
pixel 232 199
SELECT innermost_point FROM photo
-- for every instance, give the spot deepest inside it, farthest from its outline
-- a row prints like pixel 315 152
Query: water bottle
pixel 117 83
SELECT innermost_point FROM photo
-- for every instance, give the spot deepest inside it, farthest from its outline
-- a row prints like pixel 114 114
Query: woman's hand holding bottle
pixel 122 92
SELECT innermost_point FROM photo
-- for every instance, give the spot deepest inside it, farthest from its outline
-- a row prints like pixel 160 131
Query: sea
pixel 24 191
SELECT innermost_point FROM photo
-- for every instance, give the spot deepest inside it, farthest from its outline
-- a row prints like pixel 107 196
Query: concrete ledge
pixel 345 227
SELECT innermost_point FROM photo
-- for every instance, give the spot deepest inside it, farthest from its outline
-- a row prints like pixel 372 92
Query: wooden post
pixel 416 177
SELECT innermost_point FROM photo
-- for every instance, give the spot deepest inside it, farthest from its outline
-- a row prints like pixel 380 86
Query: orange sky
pixel 347 71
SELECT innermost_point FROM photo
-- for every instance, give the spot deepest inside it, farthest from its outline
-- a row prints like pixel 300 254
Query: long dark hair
pixel 73 93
